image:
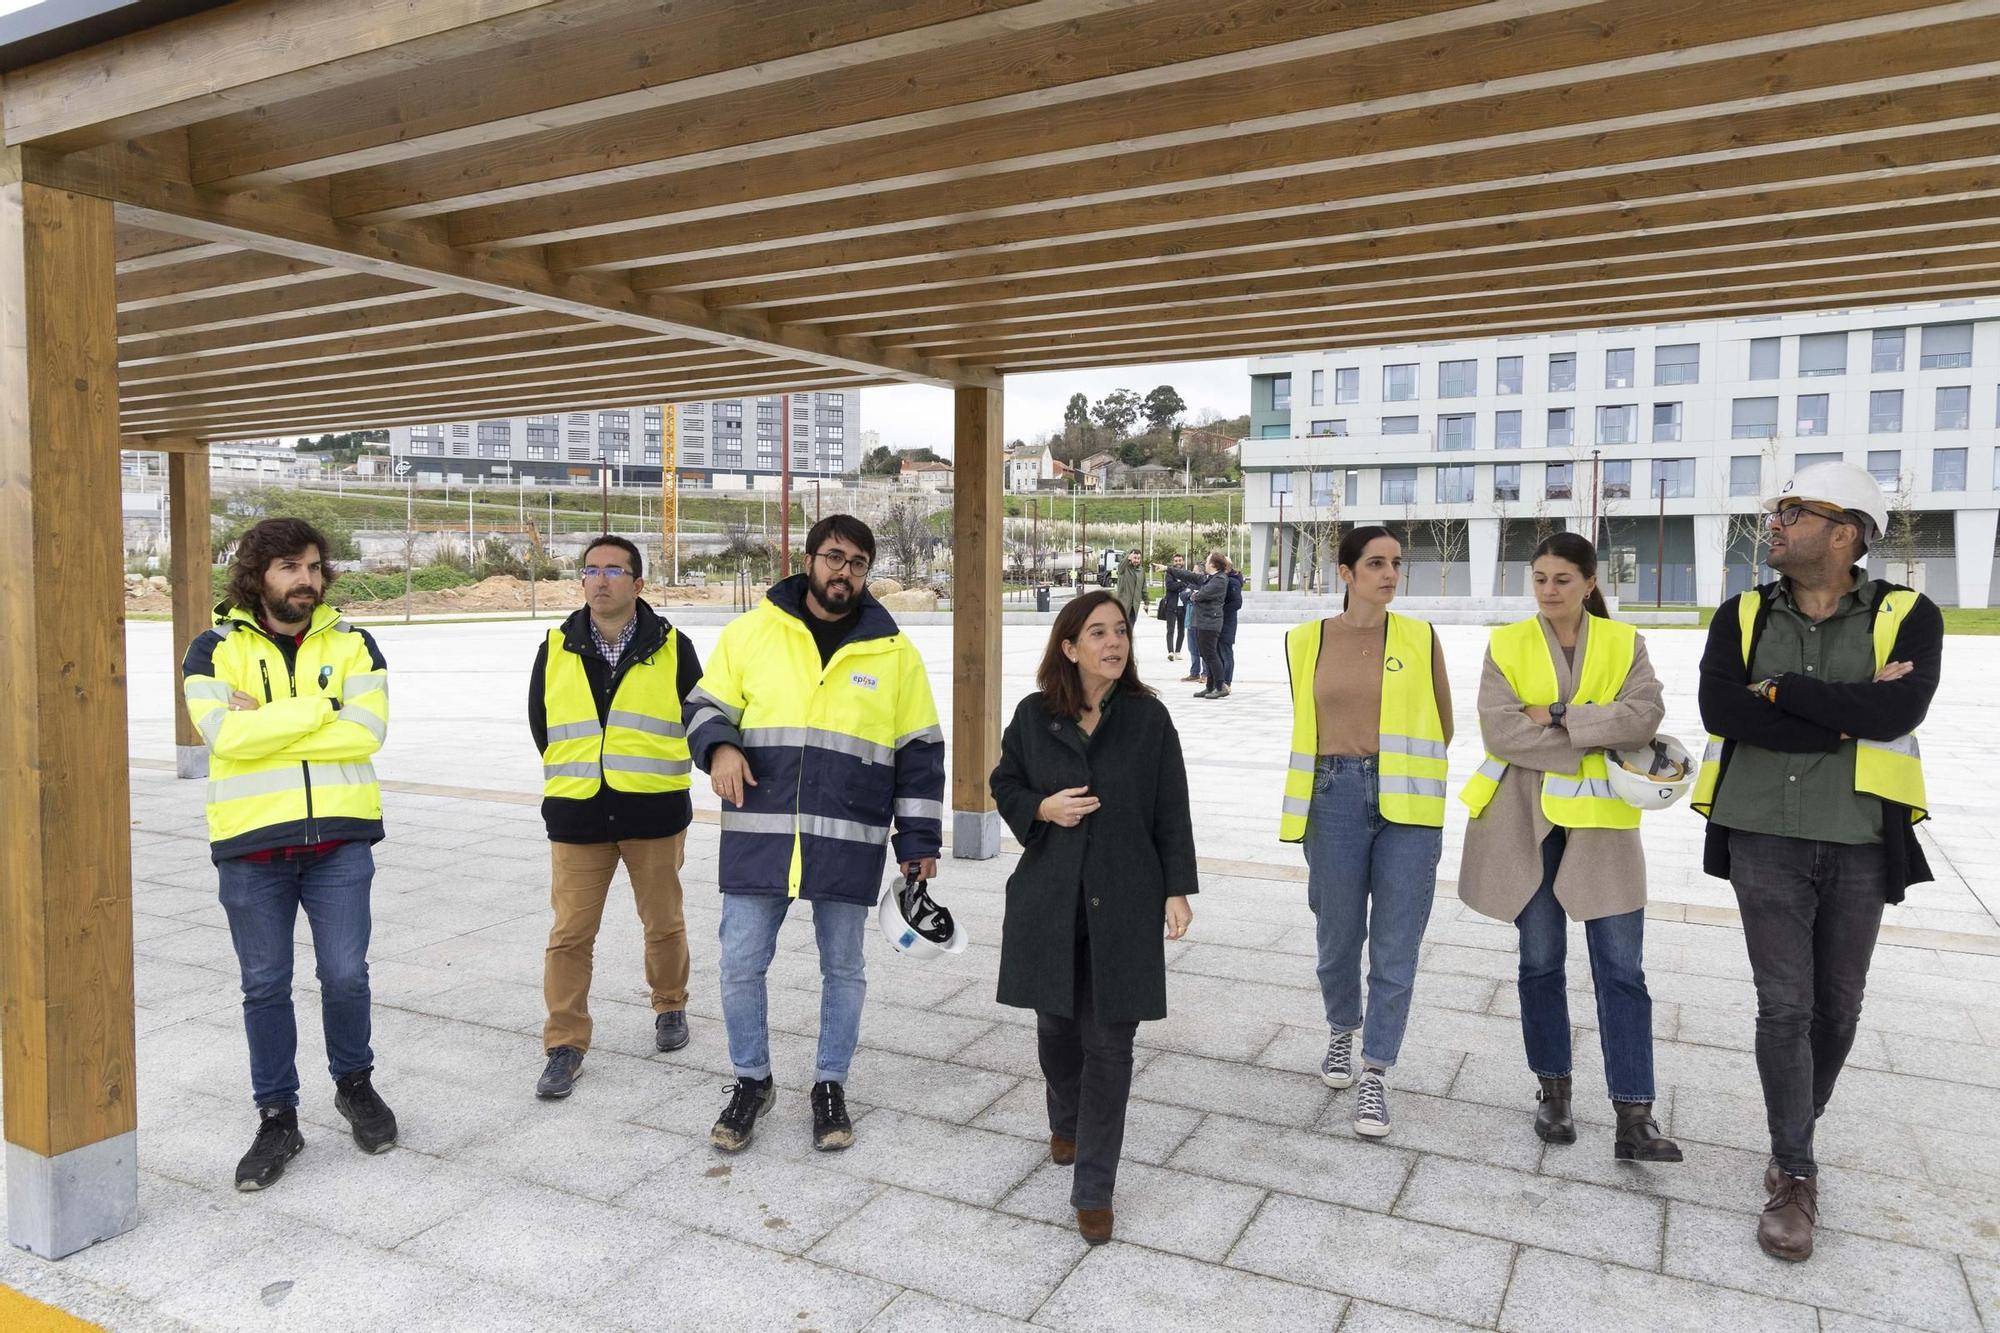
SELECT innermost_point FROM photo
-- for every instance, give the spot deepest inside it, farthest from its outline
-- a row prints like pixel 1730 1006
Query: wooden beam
pixel 338 293
pixel 465 341
pixel 245 271
pixel 428 310
pixel 66 1006
pixel 191 551
pixel 976 521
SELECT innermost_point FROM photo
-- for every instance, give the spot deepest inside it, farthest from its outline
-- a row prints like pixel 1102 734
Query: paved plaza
pixel 1245 1200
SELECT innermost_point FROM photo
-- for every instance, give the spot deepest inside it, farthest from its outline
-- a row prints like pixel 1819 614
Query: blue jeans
pixel 262 901
pixel 1227 643
pixel 1624 1006
pixel 1367 878
pixel 1193 639
pixel 749 939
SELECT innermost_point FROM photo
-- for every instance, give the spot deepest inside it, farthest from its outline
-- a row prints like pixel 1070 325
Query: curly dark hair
pixel 267 541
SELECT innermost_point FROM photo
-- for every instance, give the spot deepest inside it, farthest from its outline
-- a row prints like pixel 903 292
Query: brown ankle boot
pixel 1552 1120
pixel 1062 1151
pixel 1639 1138
pixel 1785 1230
pixel 1094 1224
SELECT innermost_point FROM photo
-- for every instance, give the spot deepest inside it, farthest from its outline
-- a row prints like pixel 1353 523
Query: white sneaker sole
pixel 1336 1080
pixel 1368 1129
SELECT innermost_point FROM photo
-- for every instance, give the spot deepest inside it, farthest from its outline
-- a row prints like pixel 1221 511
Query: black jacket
pixel 612 815
pixel 1179 583
pixel 1232 602
pixel 1811 714
pixel 1209 598
pixel 1124 861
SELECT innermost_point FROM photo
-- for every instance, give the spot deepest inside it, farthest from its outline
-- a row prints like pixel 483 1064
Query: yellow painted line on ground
pixel 24 1314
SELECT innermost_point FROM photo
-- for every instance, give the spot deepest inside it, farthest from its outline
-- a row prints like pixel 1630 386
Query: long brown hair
pixel 1577 550
pixel 1057 677
pixel 270 540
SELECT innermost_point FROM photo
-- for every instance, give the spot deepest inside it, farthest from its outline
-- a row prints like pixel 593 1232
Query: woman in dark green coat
pixel 1091 782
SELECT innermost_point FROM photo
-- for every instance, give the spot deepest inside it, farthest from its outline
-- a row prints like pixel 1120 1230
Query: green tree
pixel 1115 412
pixel 880 462
pixel 1163 408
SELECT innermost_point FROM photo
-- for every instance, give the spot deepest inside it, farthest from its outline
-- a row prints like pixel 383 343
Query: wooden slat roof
pixel 339 213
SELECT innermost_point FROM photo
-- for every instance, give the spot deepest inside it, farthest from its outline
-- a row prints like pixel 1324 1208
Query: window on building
pixel 1399 384
pixel 1812 416
pixel 542 453
pixel 1507 376
pixel 1886 351
pixel 1347 384
pixel 1319 388
pixel 580 453
pixel 1399 425
pixel 1281 393
pixel 1562 427
pixel 1679 363
pixel 1618 425
pixel 1746 475
pixel 1763 358
pixel 1753 419
pixel 1823 354
pixel 1676 475
pixel 1507 429
pixel 1330 426
pixel 1562 372
pixel 1617 478
pixel 1458 379
pixel 620 456
pixel 1666 422
pixel 1886 466
pixel 1399 485
pixel 730 411
pixel 1279 431
pixel 1351 492
pixel 1507 481
pixel 1454 484
pixel 461 448
pixel 1802 461
pixel 1947 346
pixel 621 420
pixel 1556 481
pixel 1885 411
pixel 1954 408
pixel 1948 469
pixel 1281 486
pixel 1618 368
pixel 1456 431
pixel 489 449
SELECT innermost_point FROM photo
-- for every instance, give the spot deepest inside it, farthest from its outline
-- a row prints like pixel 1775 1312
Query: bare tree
pixel 1900 541
pixel 909 532
pixel 1501 513
pixel 1449 536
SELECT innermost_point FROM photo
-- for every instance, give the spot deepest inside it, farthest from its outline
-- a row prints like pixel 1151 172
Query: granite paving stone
pixel 756 1197
pixel 1161 1208
pixel 1618 1225
pixel 1323 1166
pixel 994 1262
pixel 1561 1293
pixel 1126 1286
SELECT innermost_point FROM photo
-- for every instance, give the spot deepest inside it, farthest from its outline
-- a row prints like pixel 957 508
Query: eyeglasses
pixel 1786 516
pixel 606 572
pixel 835 562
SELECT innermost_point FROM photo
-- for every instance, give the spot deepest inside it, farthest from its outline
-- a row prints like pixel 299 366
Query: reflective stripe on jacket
pixel 640 747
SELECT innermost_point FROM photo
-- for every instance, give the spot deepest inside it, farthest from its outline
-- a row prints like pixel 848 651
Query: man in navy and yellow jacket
pixel 293 703
pixel 815 723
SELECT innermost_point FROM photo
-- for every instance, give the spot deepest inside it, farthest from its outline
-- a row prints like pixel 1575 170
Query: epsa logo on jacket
pixel 866 682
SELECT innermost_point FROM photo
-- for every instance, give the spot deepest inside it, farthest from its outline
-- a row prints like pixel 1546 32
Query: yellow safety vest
pixel 1583 799
pixel 642 746
pixel 1411 766
pixel 1892 770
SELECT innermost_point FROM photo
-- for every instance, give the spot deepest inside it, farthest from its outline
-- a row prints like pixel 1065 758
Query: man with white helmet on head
pixel 1812 688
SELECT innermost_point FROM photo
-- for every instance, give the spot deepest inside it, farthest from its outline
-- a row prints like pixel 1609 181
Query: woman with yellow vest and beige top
pixel 604 704
pixel 1812 688
pixel 1371 717
pixel 1550 841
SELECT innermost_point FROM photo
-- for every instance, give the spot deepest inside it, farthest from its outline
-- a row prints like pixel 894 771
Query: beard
pixel 835 594
pixel 294 607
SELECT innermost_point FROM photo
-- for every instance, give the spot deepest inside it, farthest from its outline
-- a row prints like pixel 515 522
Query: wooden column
pixel 65 846
pixel 192 557
pixel 975 622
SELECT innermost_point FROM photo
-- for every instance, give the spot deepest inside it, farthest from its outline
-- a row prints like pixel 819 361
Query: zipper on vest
pixel 305 769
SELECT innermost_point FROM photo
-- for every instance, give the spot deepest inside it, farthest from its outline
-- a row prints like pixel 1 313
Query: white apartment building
pixel 731 443
pixel 1472 449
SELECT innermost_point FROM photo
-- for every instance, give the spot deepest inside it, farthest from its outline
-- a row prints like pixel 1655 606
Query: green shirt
pixel 1808 796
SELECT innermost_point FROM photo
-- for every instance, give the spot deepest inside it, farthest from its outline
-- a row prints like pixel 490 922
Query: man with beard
pixel 815 724
pixel 293 702
pixel 1812 688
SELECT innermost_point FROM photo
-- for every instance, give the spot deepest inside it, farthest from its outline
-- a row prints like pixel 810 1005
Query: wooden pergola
pixel 286 216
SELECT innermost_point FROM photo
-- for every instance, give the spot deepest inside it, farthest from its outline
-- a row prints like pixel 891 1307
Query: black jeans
pixel 1227 643
pixel 1208 642
pixel 1176 630
pixel 1088 1066
pixel 1811 911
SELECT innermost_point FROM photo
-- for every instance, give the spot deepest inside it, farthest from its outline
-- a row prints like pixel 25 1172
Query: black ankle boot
pixel 1552 1122
pixel 1639 1137
pixel 374 1124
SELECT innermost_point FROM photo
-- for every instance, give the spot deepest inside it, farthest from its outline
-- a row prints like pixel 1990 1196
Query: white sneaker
pixel 1337 1069
pixel 1371 1107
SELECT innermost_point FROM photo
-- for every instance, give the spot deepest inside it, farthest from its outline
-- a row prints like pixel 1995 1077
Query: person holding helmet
pixel 1091 782
pixel 1812 689
pixel 1550 841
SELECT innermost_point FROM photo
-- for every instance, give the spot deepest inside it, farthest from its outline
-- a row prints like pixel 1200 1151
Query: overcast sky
pixel 908 416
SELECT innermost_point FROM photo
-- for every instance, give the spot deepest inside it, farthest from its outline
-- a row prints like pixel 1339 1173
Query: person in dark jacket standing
pixel 1232 602
pixel 1132 585
pixel 1207 601
pixel 1181 583
pixel 1172 607
pixel 605 706
pixel 1091 782
pixel 1812 689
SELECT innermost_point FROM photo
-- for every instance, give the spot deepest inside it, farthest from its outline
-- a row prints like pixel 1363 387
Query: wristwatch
pixel 1557 711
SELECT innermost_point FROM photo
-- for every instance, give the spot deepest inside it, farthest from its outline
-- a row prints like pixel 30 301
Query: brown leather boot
pixel 1552 1119
pixel 1062 1151
pixel 1094 1224
pixel 1785 1230
pixel 1639 1138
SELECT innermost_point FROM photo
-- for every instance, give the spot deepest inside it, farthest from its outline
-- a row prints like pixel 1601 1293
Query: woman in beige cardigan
pixel 1539 872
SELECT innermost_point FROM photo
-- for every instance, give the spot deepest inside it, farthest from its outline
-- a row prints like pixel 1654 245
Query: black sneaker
pixel 277 1142
pixel 670 1030
pixel 832 1130
pixel 374 1124
pixel 748 1099
pixel 564 1068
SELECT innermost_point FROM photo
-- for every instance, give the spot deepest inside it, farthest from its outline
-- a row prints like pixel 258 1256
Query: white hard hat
pixel 1653 776
pixel 912 923
pixel 1840 484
